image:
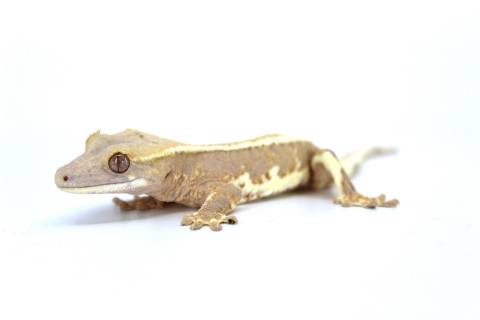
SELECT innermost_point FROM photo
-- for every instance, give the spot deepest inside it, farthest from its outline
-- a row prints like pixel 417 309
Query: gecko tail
pixel 351 162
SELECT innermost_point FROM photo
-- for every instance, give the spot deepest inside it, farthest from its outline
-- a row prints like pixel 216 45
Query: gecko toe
pixel 123 205
pixel 196 225
pixel 215 225
pixel 187 220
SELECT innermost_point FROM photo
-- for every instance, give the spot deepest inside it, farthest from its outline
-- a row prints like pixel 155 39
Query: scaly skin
pixel 213 178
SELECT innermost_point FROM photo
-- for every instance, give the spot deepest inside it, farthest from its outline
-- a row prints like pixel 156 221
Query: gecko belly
pixel 271 183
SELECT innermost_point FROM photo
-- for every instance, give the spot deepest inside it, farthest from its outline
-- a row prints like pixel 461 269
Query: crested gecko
pixel 213 178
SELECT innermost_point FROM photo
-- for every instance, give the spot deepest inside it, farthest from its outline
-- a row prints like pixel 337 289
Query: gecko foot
pixel 138 203
pixel 358 200
pixel 212 219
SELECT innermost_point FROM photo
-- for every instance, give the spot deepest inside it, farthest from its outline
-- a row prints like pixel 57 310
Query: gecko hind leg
pixel 327 167
pixel 138 203
pixel 215 210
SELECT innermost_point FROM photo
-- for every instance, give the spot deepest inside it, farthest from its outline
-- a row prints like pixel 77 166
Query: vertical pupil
pixel 118 162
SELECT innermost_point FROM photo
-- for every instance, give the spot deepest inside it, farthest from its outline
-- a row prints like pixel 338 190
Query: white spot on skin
pixel 276 184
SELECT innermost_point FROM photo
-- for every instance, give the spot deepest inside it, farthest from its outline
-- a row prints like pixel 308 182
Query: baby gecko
pixel 213 178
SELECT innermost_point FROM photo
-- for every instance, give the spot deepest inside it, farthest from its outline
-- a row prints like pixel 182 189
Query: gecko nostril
pixel 65 178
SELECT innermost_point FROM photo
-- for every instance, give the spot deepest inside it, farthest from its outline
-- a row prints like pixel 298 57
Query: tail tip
pixel 384 151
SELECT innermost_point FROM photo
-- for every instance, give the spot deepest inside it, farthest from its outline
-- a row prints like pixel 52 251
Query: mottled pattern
pixel 194 175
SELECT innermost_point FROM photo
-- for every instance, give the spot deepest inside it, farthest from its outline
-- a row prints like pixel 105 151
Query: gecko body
pixel 213 178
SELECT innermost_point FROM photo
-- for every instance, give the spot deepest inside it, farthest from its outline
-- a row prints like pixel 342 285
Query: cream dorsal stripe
pixel 255 143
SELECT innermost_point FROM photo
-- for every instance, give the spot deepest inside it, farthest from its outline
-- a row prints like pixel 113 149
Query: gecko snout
pixel 62 178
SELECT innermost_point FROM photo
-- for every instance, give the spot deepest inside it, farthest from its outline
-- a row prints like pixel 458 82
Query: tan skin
pixel 213 178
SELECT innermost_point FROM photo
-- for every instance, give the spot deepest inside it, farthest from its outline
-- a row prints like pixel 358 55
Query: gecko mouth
pixel 108 188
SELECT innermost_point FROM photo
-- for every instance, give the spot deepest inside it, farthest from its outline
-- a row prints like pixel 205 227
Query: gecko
pixel 212 178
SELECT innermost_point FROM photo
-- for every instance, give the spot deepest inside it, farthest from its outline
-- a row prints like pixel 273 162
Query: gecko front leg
pixel 139 203
pixel 216 209
pixel 326 166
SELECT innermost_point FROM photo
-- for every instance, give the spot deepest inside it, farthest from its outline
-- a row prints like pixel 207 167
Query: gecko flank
pixel 213 178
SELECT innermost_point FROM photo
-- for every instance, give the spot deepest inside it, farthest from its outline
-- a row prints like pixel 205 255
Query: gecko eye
pixel 119 162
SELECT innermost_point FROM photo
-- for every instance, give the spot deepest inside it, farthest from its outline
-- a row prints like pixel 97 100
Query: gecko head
pixel 109 165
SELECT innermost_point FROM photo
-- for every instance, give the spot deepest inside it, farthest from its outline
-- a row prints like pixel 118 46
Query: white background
pixel 345 74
